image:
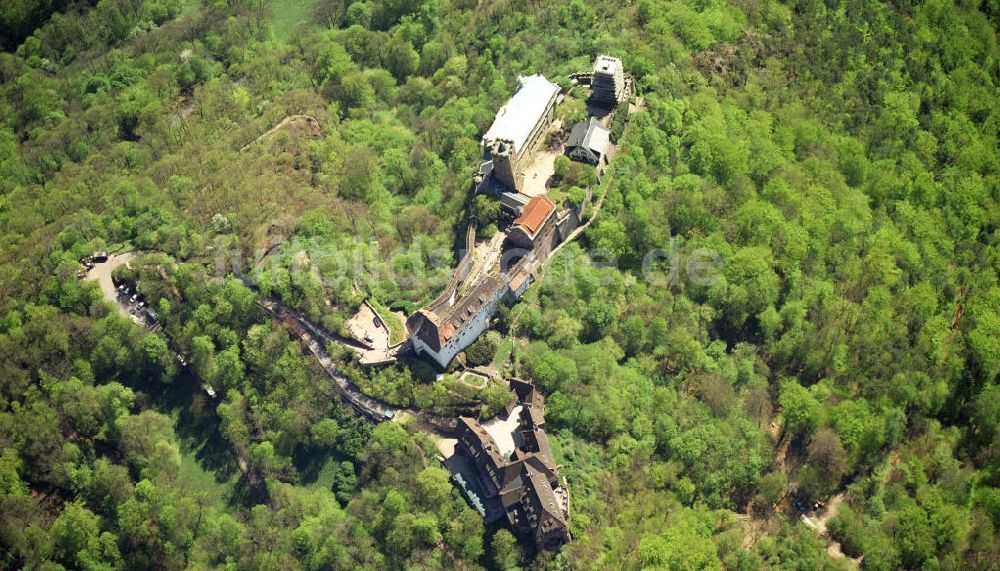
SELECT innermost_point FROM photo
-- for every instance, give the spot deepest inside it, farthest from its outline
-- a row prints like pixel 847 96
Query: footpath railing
pixel 315 338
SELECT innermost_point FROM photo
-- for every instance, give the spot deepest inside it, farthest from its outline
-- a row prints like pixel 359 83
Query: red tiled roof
pixel 536 212
pixel 432 331
pixel 518 280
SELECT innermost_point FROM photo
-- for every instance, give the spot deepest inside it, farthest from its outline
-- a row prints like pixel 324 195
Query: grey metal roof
pixel 518 117
pixel 590 134
pixel 514 200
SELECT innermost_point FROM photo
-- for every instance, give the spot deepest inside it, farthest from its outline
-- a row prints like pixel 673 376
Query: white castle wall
pixel 469 332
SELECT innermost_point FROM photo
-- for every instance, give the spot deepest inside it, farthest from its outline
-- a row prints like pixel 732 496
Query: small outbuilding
pixel 528 226
pixel 514 202
pixel 588 142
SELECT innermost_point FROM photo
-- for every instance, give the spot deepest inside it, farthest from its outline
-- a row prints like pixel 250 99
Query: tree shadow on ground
pixel 309 461
pixel 195 422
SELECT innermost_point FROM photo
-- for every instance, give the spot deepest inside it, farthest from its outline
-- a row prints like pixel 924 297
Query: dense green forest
pixel 839 157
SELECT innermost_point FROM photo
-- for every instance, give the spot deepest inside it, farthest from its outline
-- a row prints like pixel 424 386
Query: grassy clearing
pixel 557 195
pixel 189 6
pixel 325 477
pixel 397 329
pixel 286 14
pixel 503 353
pixel 198 478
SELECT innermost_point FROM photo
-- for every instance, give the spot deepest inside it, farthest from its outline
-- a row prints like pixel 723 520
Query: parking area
pixel 135 307
pixel 126 299
pixel 476 488
pixel 367 328
pixel 101 271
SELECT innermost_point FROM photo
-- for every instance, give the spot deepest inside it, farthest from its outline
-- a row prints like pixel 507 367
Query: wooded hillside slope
pixel 840 158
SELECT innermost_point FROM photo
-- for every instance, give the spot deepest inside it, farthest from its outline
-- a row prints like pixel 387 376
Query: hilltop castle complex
pixel 505 468
pixel 462 312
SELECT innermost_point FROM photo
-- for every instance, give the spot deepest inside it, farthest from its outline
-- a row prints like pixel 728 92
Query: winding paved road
pixel 102 273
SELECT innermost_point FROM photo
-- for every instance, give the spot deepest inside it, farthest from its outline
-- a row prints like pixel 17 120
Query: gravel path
pixel 307 119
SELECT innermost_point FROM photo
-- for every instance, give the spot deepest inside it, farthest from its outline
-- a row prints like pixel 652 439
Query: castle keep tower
pixel 505 163
pixel 608 82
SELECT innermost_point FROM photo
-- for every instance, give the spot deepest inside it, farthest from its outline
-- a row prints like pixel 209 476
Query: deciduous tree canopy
pixel 794 294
